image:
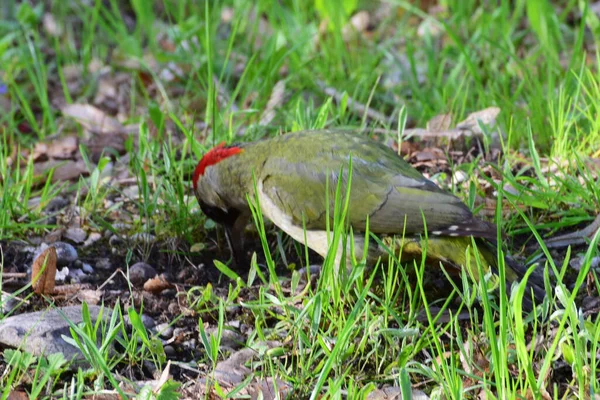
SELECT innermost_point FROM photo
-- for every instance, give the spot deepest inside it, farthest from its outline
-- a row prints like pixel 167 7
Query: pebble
pixel 143 238
pixel 87 268
pixel 56 204
pixel 121 227
pixel 148 321
pixel 76 235
pixel 77 275
pixel 92 238
pixel 165 330
pixel 61 275
pixel 577 263
pixel 65 253
pixel 170 351
pixel 189 344
pixel 140 272
pixel 115 240
pixel 34 202
pixel 179 332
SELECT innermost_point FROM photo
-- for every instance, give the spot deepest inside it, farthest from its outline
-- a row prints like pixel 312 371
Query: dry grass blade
pixel 574 238
pixel 275 101
pixel 43 272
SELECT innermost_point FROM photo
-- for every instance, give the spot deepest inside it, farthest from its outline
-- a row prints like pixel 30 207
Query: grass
pixel 193 75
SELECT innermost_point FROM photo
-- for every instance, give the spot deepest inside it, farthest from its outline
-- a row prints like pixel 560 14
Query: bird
pixel 294 177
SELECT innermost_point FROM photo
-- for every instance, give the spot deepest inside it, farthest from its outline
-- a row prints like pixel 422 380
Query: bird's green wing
pixel 385 189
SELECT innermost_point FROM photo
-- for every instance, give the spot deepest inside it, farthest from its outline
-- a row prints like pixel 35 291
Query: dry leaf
pixel 62 148
pixel 275 101
pixel 93 119
pixel 487 116
pixel 63 170
pixel 90 296
pixel 440 123
pixel 17 395
pixel 157 285
pixel 43 272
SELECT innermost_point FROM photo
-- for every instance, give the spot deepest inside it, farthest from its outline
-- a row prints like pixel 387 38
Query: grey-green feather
pixel 296 168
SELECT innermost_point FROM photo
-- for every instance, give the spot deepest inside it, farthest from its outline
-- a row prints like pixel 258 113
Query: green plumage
pixel 298 171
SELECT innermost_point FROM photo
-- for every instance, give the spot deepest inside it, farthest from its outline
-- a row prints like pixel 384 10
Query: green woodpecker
pixel 296 174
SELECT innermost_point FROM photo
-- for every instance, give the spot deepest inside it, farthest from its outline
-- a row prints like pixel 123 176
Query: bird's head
pixel 210 183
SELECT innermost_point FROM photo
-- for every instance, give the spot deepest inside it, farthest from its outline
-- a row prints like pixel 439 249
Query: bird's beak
pixel 235 240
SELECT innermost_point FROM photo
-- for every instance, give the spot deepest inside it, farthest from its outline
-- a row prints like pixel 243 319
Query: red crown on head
pixel 214 155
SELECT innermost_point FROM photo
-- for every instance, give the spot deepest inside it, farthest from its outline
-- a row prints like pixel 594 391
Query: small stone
pixel 143 238
pixel 34 202
pixel 140 272
pixel 92 238
pixel 165 330
pixel 460 176
pixel 179 332
pixel 56 204
pixel 170 351
pixel 104 263
pixel 87 268
pixel 62 274
pixel 121 227
pixel 115 240
pixel 148 321
pixel 229 338
pixel 131 192
pixel 65 253
pixel 189 344
pixel 77 275
pixel 76 235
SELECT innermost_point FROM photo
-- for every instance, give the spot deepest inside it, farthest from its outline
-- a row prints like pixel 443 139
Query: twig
pixel 574 238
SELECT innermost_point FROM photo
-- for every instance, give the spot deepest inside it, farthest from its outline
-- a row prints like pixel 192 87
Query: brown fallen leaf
pixel 43 272
pixel 63 148
pixel 90 296
pixel 440 123
pixel 63 170
pixel 157 284
pixel 93 119
pixel 487 116
pixel 18 395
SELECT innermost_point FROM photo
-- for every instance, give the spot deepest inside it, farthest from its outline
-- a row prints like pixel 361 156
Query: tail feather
pixel 452 251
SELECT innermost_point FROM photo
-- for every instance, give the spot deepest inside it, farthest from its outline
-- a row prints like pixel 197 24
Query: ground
pixel 107 108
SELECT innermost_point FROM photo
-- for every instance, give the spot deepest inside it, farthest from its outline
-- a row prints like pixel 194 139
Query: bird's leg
pixel 235 239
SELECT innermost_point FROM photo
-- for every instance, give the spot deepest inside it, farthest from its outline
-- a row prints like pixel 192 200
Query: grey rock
pixel 61 275
pixel 34 202
pixel 87 268
pixel 40 333
pixel 170 351
pixel 165 330
pixel 229 338
pixel 77 275
pixel 143 238
pixel 115 240
pixel 76 235
pixel 65 253
pixel 92 238
pixel 148 321
pixel 140 272
pixel 56 204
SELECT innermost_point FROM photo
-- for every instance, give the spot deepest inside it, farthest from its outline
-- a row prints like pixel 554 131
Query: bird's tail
pixel 458 252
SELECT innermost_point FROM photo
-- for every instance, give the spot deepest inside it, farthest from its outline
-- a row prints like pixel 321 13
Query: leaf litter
pixel 434 150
